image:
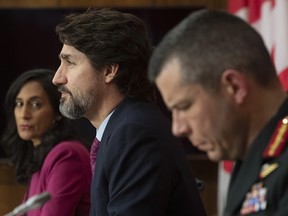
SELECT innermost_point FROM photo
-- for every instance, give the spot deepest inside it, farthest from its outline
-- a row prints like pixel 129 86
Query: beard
pixel 71 108
pixel 75 106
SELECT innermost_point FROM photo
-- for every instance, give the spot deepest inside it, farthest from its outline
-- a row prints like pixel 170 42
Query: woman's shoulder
pixel 67 157
pixel 70 147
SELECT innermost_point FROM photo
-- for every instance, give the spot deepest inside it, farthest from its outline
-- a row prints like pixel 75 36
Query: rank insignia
pixel 255 200
pixel 266 169
pixel 278 139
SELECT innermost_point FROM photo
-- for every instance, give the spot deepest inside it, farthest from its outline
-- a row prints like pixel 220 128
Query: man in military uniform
pixel 217 78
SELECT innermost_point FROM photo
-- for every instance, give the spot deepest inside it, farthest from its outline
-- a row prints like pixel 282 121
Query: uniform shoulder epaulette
pixel 278 139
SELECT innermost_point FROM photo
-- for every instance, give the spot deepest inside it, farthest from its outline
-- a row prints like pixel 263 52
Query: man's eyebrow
pixel 64 56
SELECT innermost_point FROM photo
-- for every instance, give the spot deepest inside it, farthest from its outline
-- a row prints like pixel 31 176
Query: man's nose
pixel 179 126
pixel 59 77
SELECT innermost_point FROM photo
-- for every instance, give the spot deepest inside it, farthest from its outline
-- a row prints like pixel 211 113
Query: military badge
pixel 267 169
pixel 255 200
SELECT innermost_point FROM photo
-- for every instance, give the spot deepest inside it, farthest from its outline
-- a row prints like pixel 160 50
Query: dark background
pixel 28 40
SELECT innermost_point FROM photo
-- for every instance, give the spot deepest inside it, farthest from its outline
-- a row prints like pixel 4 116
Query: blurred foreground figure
pixel 217 78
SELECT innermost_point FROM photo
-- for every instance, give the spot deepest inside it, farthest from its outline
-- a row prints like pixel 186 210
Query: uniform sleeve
pixel 279 192
pixel 283 207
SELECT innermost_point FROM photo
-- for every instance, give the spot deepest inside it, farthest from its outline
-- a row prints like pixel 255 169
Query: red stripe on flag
pixel 283 76
pixel 255 7
pixel 254 10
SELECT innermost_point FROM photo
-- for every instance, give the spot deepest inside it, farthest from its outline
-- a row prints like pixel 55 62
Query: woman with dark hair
pixel 44 147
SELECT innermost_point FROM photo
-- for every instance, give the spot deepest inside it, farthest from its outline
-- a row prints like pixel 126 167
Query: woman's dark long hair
pixel 26 158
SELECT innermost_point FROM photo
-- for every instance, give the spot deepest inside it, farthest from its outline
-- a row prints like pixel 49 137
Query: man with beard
pixel 141 169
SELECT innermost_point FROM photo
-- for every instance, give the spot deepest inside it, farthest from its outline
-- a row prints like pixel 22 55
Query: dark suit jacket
pixel 246 173
pixel 141 168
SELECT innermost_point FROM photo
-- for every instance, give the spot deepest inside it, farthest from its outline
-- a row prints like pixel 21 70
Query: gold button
pixel 285 120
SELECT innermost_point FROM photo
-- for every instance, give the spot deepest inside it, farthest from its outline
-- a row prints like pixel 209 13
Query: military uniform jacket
pixel 259 183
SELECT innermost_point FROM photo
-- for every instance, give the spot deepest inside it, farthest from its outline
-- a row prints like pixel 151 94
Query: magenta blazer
pixel 66 175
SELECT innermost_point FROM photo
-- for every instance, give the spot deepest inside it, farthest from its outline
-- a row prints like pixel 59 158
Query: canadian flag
pixel 270 19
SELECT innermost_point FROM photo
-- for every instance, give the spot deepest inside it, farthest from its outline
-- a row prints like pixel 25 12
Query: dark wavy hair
pixel 26 158
pixel 109 37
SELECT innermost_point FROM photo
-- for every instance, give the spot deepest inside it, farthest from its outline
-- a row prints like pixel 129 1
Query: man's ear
pixel 235 84
pixel 110 72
